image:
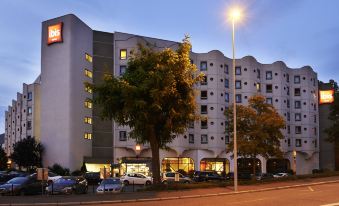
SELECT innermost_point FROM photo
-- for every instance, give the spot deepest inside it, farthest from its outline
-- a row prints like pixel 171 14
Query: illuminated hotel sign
pixel 54 33
pixel 326 96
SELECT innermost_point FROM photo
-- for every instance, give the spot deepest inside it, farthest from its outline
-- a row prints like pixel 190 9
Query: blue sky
pixel 299 32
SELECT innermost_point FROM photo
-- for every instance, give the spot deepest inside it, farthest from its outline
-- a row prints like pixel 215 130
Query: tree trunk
pixel 155 156
pixel 254 168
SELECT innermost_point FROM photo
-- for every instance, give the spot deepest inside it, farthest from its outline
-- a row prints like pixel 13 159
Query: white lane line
pixel 331 204
pixel 310 188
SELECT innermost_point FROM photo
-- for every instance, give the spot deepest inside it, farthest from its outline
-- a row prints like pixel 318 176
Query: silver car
pixel 110 185
pixel 170 177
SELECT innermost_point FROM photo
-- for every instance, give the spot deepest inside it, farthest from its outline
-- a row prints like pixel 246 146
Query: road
pixel 319 195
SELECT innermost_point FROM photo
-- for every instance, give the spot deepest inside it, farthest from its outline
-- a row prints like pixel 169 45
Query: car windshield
pixel 65 181
pixel 17 180
pixel 111 181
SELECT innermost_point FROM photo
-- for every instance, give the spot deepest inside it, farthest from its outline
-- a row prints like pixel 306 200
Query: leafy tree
pixel 333 130
pixel 258 129
pixel 27 153
pixel 155 97
pixel 3 159
pixel 59 170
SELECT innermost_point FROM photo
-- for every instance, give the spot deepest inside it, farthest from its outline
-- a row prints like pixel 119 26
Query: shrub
pixel 59 170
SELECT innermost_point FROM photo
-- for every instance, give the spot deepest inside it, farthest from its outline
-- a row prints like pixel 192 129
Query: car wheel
pixel 165 182
pixel 148 182
pixel 126 182
pixel 186 182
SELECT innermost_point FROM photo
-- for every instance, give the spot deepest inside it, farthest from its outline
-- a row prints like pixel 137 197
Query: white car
pixel 281 174
pixel 52 177
pixel 136 178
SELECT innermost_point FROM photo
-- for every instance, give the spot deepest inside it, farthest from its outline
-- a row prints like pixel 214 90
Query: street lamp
pixel 235 15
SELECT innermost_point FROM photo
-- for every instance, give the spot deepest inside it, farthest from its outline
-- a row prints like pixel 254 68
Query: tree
pixel 59 170
pixel 155 97
pixel 3 159
pixel 27 153
pixel 258 129
pixel 333 130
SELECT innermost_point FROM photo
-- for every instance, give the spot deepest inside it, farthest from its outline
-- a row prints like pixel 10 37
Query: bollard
pixel 52 187
pixel 12 190
pixel 133 185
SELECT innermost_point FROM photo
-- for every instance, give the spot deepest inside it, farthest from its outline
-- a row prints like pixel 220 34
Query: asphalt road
pixel 327 194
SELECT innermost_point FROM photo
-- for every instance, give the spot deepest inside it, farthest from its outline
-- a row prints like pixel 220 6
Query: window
pixel 191 124
pixel 237 70
pixel 297 117
pixel 269 101
pixel 88 57
pixel 122 136
pixel 315 119
pixel 315 130
pixel 203 66
pixel 203 109
pixel 29 125
pixel 227 97
pixel 204 139
pixel 88 88
pixel 296 91
pixel 88 73
pixel 238 84
pixel 297 79
pixel 123 54
pixel 88 135
pixel 29 96
pixel 29 109
pixel 238 98
pixel 122 69
pixel 226 69
pixel 288 91
pixel 191 138
pixel 287 78
pixel 268 75
pixel 288 103
pixel 88 103
pixel 298 129
pixel 258 86
pixel 297 104
pixel 204 80
pixel 288 116
pixel 203 124
pixel 268 88
pixel 288 129
pixel 203 94
pixel 258 73
pixel 298 142
pixel 227 83
pixel 88 120
pixel 227 139
pixel 289 142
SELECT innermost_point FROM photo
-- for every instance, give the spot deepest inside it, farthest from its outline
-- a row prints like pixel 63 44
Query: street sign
pixel 42 174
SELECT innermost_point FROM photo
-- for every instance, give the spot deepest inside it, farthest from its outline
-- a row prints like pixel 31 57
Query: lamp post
pixel 235 15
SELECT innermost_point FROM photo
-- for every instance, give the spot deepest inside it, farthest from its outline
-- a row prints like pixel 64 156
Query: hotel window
pixel 268 88
pixel 191 124
pixel 122 69
pixel 29 125
pixel 227 97
pixel 238 98
pixel 238 84
pixel 269 100
pixel 297 117
pixel 123 54
pixel 297 104
pixel 88 57
pixel 88 103
pixel 203 124
pixel 203 66
pixel 258 87
pixel 88 88
pixel 288 91
pixel 227 83
pixel 288 116
pixel 258 73
pixel 88 135
pixel 315 119
pixel 268 75
pixel 204 80
pixel 237 70
pixel 122 136
pixel 298 129
pixel 289 142
pixel 88 73
pixel 298 142
pixel 315 130
pixel 88 120
pixel 227 139
pixel 191 138
pixel 287 78
pixel 297 79
pixel 203 109
pixel 29 110
pixel 288 103
pixel 203 94
pixel 29 96
pixel 226 69
pixel 288 129
pixel 204 139
pixel 296 91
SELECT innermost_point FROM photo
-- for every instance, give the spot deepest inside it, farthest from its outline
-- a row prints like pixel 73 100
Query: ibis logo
pixel 54 33
pixel 326 96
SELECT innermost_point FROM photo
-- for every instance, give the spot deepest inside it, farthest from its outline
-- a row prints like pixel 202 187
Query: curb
pixel 172 198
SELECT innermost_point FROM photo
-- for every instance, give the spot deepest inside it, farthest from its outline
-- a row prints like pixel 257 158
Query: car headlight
pixel 67 188
pixel 100 190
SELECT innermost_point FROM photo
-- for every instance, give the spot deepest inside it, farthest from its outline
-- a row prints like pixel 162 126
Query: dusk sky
pixel 298 32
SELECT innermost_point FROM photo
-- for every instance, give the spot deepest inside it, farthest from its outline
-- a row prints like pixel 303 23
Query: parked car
pixel 52 177
pixel 6 176
pixel 110 185
pixel 169 177
pixel 93 178
pixel 241 176
pixel 22 186
pixel 264 176
pixel 201 176
pixel 136 178
pixel 281 174
pixel 68 185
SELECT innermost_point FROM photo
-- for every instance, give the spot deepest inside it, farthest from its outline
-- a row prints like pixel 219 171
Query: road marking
pixel 310 188
pixel 331 204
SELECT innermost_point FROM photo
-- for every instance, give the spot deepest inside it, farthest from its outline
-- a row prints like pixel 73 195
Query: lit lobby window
pixel 88 120
pixel 123 53
pixel 88 88
pixel 88 73
pixel 88 135
pixel 88 57
pixel 88 103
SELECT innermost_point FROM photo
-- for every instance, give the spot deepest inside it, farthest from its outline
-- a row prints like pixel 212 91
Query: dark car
pixel 201 176
pixel 264 176
pixel 68 185
pixel 6 176
pixel 241 176
pixel 22 186
pixel 93 178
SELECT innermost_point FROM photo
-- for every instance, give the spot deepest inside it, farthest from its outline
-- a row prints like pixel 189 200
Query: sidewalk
pixel 153 196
